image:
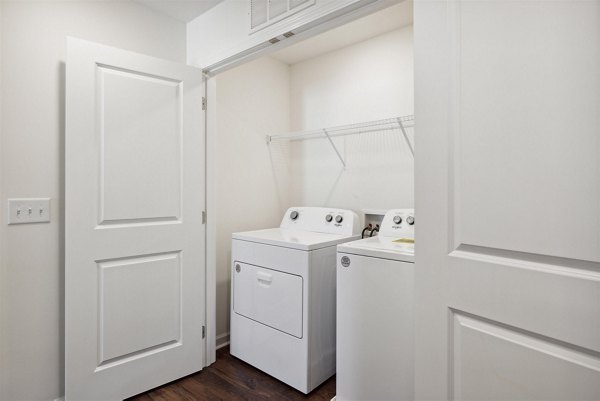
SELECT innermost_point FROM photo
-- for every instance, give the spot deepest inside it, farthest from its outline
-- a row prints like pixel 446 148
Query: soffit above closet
pixel 182 10
pixel 380 22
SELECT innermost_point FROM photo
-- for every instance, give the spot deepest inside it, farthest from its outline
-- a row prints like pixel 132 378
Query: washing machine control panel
pixel 322 220
pixel 398 223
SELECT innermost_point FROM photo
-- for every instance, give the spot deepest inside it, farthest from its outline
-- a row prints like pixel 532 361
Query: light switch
pixel 22 211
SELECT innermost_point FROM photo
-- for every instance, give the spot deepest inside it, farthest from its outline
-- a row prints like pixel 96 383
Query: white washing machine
pixel 375 279
pixel 283 294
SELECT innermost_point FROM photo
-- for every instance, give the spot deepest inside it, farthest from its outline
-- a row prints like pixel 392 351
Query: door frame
pixel 210 73
pixel 210 121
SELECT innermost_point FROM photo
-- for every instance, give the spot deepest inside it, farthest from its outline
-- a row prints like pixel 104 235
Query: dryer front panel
pixel 269 297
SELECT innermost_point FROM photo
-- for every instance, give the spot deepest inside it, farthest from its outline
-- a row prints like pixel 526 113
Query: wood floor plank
pixel 230 379
pixel 249 377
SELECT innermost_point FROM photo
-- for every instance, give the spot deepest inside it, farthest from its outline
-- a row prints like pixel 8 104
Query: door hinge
pixel 203 103
pixel 203 331
pixel 204 217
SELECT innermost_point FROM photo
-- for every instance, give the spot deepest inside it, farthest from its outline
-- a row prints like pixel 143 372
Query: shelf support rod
pixel 405 136
pixel 334 148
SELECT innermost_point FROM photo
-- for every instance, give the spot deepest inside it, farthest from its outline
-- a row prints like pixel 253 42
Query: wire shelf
pixel 387 124
pixel 399 124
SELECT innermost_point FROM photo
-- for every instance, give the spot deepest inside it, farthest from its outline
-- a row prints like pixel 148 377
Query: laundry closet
pixel 325 122
pixel 151 152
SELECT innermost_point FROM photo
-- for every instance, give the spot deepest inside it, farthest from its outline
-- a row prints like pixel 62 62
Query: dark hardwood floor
pixel 232 379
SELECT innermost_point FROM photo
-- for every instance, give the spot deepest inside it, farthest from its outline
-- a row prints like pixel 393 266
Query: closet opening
pixel 325 122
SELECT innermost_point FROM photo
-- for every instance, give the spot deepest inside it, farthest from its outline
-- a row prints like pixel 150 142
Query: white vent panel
pixel 258 13
pixel 264 13
pixel 277 8
pixel 297 3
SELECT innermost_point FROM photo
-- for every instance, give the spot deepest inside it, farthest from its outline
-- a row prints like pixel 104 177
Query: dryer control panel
pixel 398 223
pixel 321 220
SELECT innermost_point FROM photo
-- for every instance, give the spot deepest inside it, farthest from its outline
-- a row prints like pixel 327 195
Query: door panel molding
pixel 130 192
pixel 493 148
pixel 518 353
pixel 143 284
pixel 536 297
pixel 137 222
pixel 535 261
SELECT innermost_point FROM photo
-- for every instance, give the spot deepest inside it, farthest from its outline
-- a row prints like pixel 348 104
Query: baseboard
pixel 59 399
pixel 222 340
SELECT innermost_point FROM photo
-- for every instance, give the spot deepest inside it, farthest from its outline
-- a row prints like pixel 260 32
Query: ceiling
pixel 183 10
pixel 380 22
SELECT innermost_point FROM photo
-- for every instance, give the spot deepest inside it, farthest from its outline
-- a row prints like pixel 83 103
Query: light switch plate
pixel 21 211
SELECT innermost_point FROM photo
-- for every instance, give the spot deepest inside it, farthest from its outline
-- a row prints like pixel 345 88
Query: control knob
pixel 294 215
pixel 410 220
pixel 397 219
pixel 339 218
pixel 328 218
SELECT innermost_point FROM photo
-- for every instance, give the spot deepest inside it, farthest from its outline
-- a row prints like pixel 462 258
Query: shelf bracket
pixel 405 136
pixel 334 148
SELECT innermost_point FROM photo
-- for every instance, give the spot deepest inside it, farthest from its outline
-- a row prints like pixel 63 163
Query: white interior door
pixel 508 200
pixel 135 273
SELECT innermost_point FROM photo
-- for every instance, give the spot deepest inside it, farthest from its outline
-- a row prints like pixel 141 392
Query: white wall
pixel 32 165
pixel 221 28
pixel 367 81
pixel 252 188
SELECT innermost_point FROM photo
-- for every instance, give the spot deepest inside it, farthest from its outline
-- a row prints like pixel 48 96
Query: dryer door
pixel 267 296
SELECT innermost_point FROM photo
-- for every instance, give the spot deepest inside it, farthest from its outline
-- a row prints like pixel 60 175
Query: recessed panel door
pixel 134 233
pixel 507 261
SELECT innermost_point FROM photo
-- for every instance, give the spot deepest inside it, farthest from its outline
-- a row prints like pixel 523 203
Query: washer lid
pixel 380 247
pixel 296 239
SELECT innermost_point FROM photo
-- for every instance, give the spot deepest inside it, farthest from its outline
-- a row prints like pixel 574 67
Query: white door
pixel 134 303
pixel 507 200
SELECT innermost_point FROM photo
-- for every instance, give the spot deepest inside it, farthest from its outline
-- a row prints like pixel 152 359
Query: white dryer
pixel 283 294
pixel 375 280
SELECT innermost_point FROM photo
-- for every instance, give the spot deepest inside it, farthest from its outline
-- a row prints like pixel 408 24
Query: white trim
pixel 211 217
pixel 222 340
